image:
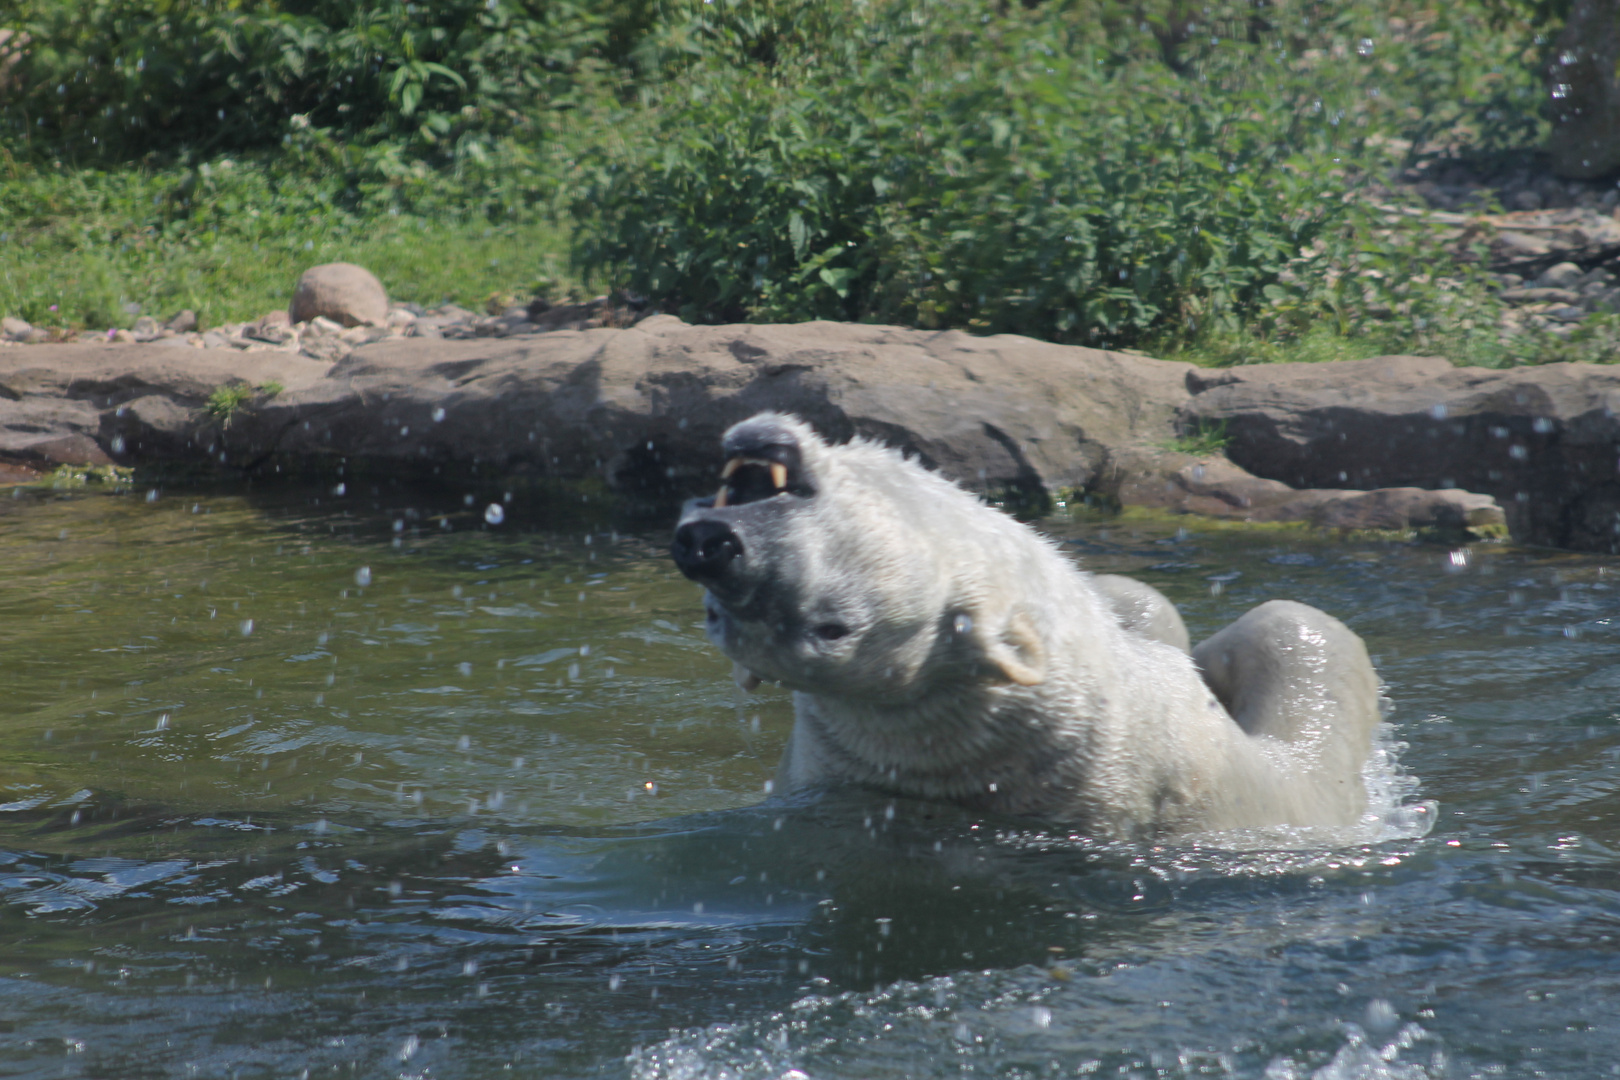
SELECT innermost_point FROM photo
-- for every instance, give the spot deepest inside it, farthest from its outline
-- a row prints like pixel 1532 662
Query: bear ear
pixel 1016 652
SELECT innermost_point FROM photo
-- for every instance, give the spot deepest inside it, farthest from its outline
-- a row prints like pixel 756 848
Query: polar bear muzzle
pixel 703 548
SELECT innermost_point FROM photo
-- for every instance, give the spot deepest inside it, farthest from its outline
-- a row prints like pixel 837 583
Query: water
pixel 307 785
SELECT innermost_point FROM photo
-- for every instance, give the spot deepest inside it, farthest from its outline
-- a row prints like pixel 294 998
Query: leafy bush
pixel 121 78
pixel 940 163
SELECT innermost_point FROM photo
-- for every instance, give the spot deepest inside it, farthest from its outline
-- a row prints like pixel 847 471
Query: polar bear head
pixel 852 572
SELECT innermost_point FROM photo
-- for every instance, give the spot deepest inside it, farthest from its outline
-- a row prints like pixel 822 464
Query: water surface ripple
pixel 300 784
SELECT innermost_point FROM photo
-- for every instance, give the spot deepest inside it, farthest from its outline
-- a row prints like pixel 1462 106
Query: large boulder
pixel 644 407
pixel 343 292
pixel 1543 441
pixel 641 408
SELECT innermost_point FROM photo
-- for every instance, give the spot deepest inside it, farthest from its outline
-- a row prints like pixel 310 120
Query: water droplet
pixel 1364 47
pixel 340 489
pixel 466 669
pixel 438 413
pixel 494 513
pixel 408 1048
pixel 162 723
pixel 1562 90
pixel 247 627
pixel 464 743
pixel 362 576
pixel 1041 1016
pixel 152 496
pixel 963 624
pixel 1381 1015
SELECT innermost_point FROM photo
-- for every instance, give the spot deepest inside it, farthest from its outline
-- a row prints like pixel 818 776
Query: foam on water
pixel 1010 1023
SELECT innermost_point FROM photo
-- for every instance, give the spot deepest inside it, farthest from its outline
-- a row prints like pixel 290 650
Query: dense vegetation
pixel 1158 175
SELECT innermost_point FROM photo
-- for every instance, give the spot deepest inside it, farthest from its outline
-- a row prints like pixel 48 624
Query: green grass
pixel 92 250
pixel 1203 440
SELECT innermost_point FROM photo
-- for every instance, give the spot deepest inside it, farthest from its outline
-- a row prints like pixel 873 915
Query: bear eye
pixel 831 631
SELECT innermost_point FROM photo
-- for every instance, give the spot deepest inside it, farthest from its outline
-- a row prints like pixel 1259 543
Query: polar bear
pixel 936 648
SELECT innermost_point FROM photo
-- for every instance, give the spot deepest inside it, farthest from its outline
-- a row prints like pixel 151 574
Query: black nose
pixel 703 548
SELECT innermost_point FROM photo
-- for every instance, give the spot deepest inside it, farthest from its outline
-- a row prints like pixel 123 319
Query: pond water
pixel 295 784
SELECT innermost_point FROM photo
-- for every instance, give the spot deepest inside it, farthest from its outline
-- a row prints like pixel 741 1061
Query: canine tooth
pixel 744 678
pixel 778 475
pixel 720 497
pixel 731 466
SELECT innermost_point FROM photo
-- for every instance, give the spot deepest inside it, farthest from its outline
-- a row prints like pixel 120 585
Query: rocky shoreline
pixel 1387 443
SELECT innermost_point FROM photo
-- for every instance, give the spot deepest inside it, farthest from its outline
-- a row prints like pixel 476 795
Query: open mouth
pixel 750 479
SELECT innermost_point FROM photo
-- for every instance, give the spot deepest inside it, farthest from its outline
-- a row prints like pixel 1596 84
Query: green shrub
pixel 121 78
pixel 1045 171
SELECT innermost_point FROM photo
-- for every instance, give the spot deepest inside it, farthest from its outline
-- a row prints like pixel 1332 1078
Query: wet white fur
pixel 985 668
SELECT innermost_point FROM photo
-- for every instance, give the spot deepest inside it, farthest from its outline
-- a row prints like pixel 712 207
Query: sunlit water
pixel 366 786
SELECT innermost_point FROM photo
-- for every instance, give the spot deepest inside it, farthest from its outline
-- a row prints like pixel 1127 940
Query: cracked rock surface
pixel 1394 442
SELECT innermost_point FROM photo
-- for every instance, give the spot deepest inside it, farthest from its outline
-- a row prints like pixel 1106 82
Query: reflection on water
pixel 365 785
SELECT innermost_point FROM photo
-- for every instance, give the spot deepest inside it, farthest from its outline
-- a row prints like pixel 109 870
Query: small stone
pixel 1540 296
pixel 146 328
pixel 213 339
pixel 1562 275
pixel 400 317
pixel 343 292
pixel 122 337
pixel 363 335
pixel 183 323
pixel 275 328
pixel 1525 200
pixel 1608 301
pixel 321 326
pixel 15 329
pixel 1567 314
pixel 1518 245
pixel 329 348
